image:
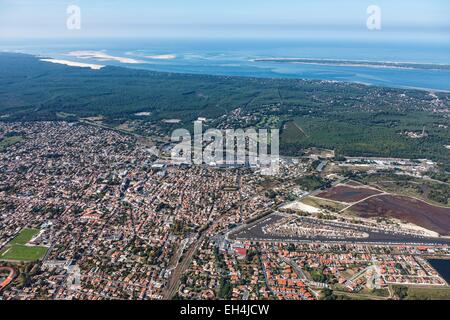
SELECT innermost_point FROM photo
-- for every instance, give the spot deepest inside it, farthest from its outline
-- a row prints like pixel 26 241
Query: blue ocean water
pixel 236 58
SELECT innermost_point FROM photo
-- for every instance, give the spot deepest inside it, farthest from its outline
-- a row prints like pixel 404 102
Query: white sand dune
pixel 300 206
pixel 74 63
pixel 101 56
pixel 162 57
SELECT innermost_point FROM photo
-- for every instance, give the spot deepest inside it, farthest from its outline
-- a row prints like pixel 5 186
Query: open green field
pixel 426 293
pixel 434 192
pixel 323 203
pixel 17 250
pixel 429 293
pixel 24 236
pixel 342 295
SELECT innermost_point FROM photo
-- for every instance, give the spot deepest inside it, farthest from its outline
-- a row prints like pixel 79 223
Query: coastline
pixel 142 65
pixel 360 63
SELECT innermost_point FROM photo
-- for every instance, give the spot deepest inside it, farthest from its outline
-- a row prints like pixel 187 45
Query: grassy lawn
pixel 24 236
pixel 18 252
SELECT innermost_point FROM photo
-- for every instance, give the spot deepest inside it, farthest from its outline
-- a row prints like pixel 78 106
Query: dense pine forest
pixel 353 119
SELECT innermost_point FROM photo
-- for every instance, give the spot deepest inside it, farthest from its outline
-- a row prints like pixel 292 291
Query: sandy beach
pixel 101 56
pixel 74 64
pixel 162 57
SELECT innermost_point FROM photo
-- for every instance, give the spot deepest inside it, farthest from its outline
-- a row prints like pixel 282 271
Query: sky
pixel 400 19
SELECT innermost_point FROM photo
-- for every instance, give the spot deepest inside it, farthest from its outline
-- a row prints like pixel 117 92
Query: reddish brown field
pixel 347 194
pixel 406 209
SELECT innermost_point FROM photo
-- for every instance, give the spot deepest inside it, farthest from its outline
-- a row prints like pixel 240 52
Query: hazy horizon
pixel 200 19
